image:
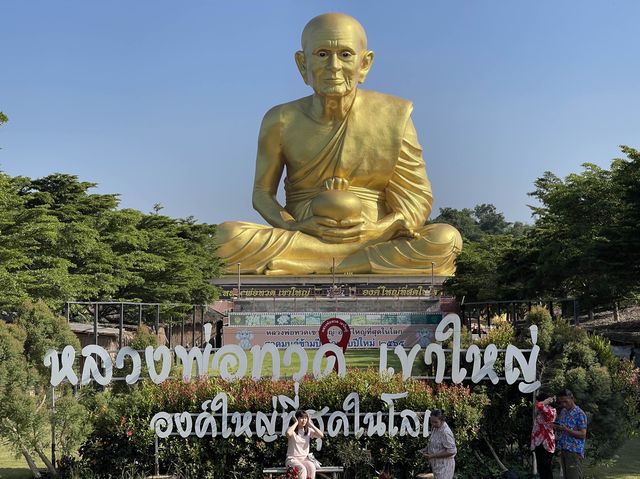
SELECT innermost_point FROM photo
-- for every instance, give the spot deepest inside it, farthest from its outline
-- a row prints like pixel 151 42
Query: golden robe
pixel 376 149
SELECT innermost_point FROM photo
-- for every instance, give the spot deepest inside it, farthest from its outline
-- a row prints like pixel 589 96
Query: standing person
pixel 571 429
pixel 299 437
pixel 543 438
pixel 441 449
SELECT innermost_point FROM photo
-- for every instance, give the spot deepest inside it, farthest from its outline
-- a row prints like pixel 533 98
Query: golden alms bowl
pixel 337 204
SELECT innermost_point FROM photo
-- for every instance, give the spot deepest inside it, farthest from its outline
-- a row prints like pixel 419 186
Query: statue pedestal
pixel 285 310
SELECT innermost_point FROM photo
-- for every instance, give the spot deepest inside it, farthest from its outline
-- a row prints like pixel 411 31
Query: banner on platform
pixel 363 337
pixel 368 330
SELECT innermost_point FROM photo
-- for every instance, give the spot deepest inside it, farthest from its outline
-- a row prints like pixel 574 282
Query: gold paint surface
pixel 356 186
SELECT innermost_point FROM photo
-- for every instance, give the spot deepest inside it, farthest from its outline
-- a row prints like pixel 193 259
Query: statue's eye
pixel 346 54
pixel 322 54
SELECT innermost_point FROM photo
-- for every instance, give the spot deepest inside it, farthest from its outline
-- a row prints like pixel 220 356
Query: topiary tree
pixel 602 383
pixel 541 317
pixel 607 388
pixel 24 412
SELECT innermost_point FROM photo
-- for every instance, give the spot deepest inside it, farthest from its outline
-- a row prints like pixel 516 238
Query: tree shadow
pixel 15 473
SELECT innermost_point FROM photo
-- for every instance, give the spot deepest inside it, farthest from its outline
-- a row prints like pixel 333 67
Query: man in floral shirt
pixel 571 429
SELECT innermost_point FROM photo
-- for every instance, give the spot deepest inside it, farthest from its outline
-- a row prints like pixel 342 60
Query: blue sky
pixel 161 101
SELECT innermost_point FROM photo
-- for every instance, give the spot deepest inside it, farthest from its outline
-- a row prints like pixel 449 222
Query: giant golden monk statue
pixel 357 192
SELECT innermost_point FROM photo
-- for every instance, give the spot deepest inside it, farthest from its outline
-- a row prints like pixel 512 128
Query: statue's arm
pixel 270 164
pixel 409 190
pixel 269 168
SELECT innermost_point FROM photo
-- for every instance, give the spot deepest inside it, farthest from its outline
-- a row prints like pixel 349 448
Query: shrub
pixel 122 435
pixel 501 336
pixel 541 317
pixel 602 384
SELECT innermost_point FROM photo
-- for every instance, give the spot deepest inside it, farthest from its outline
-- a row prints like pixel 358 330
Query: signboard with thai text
pixel 308 291
pixel 368 330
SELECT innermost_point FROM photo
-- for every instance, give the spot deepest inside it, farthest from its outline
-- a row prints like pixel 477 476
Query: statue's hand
pixel 329 230
pixel 357 230
pixel 361 231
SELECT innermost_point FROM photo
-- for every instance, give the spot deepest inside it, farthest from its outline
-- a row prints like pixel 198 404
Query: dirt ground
pixel 625 331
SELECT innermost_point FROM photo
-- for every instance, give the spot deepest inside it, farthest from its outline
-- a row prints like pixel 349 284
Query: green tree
pixel 25 236
pixel 621 242
pixel 463 220
pixel 59 242
pixel 584 242
pixel 489 220
pixel 478 270
pixel 585 236
pixel 14 383
pixel 24 410
pixel 483 219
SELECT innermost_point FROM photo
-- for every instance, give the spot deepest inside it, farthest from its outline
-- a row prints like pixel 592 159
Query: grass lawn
pixel 12 468
pixel 625 464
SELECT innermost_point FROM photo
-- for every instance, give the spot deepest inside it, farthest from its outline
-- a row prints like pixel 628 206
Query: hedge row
pixel 122 434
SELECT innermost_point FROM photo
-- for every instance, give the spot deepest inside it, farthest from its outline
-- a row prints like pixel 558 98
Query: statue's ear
pixel 365 65
pixel 302 66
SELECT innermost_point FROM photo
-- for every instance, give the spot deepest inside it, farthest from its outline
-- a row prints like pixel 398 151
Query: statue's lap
pixel 260 248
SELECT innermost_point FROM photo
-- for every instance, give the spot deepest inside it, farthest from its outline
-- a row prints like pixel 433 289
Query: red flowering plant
pixel 118 416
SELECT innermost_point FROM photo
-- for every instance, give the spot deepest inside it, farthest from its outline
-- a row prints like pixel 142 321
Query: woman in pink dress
pixel 441 449
pixel 299 437
pixel 543 438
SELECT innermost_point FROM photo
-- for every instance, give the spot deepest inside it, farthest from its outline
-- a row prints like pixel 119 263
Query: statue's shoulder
pixel 375 101
pixel 286 111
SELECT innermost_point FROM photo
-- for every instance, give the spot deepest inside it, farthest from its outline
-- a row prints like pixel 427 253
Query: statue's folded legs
pixel 266 250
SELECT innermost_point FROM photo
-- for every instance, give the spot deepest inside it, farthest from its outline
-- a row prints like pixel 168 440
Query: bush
pixel 541 317
pixel 501 336
pixel 122 435
pixel 603 385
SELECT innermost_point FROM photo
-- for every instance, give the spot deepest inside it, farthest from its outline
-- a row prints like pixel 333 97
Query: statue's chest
pixel 304 142
pixel 315 150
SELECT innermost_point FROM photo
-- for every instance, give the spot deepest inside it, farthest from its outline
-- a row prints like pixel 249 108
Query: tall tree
pixel 24 413
pixel 59 242
pixel 622 245
pixel 585 242
pixel 463 220
pixel 478 270
pixel 573 228
pixel 489 220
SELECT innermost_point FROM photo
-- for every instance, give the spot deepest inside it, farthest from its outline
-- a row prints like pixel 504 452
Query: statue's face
pixel 334 60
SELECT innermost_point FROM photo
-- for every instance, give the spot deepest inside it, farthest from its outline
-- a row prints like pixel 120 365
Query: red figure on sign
pixel 342 341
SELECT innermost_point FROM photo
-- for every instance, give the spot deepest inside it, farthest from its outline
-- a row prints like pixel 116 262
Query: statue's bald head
pixel 335 22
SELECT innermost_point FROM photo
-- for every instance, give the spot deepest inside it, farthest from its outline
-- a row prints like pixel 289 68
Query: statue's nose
pixel 334 63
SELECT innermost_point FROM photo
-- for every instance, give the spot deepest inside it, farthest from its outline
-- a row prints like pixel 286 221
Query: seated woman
pixel 299 437
pixel 441 449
